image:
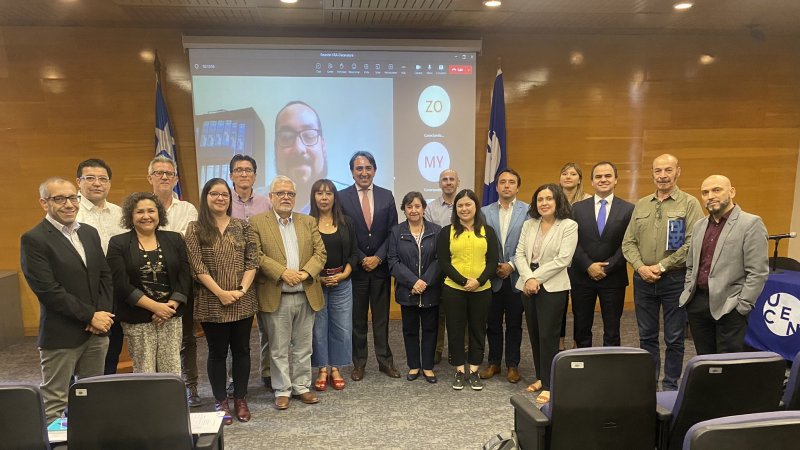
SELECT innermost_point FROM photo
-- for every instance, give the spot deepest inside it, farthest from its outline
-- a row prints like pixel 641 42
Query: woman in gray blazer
pixel 544 252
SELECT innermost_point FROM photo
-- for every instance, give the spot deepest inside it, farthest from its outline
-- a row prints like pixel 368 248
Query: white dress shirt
pixel 179 214
pixel 106 219
pixel 71 233
pixel 597 199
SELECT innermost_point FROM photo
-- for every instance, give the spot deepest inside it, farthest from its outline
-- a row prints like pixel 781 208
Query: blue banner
pixel 495 142
pixel 165 144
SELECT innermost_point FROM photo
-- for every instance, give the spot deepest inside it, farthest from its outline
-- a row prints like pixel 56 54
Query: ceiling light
pixel 288 1
pixel 682 6
pixel 706 59
pixel 492 3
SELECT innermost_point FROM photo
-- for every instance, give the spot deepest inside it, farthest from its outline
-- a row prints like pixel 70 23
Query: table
pixel 774 322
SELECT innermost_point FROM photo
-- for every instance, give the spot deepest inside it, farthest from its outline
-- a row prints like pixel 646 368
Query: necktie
pixel 601 216
pixel 366 209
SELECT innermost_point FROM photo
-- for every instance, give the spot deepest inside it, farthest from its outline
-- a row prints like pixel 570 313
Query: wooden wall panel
pixel 67 94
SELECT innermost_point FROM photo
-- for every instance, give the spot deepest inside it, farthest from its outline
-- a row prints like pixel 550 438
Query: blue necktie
pixel 601 217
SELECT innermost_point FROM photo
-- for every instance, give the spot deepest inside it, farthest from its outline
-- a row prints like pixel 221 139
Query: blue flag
pixel 495 142
pixel 165 144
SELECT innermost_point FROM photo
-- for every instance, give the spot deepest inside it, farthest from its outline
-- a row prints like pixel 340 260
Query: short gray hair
pixel 161 159
pixel 44 190
pixel 281 179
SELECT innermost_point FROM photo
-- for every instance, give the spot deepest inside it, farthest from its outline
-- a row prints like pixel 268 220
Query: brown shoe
pixel 513 375
pixel 223 406
pixel 281 403
pixel 242 411
pixel 490 371
pixel 307 397
pixel 390 371
pixel 357 374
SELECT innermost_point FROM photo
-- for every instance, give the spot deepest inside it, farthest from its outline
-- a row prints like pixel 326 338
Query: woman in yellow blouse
pixel 467 253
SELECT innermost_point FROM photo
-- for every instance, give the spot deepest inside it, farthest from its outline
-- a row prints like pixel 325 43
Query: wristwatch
pixel 661 268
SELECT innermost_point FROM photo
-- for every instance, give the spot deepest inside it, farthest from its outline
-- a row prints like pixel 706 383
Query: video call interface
pixel 414 111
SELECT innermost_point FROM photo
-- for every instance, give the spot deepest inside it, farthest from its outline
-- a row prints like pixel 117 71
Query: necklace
pixel 152 268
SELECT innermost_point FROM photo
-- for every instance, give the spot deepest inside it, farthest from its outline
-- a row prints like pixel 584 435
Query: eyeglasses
pixel 91 179
pixel 215 194
pixel 162 173
pixel 60 199
pixel 245 170
pixel 287 138
pixel 285 194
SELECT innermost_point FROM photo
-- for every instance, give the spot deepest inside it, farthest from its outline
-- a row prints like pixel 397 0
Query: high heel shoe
pixel 337 383
pixel 321 384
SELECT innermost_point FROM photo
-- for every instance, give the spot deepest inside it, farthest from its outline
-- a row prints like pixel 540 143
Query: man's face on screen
pixel 299 146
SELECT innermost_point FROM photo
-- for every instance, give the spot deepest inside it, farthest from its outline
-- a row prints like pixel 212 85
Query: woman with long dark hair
pixel 223 252
pixel 467 253
pixel 546 245
pixel 333 324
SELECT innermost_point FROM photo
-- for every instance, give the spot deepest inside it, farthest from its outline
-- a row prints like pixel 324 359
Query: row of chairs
pixel 605 398
pixel 125 411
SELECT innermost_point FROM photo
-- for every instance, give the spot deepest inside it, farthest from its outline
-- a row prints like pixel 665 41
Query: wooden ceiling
pixel 760 18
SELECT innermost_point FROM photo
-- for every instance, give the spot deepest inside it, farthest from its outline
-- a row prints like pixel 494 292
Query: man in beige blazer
pixel 726 269
pixel 289 293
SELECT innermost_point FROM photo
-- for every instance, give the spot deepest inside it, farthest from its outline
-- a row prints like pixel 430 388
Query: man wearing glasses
pixel 94 182
pixel 289 293
pixel 65 266
pixel 300 152
pixel 655 243
pixel 163 176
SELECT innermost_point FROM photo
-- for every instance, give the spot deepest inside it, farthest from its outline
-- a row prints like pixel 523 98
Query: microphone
pixel 789 235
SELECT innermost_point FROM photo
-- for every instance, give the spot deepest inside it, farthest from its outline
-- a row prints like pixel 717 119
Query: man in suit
pixel 726 269
pixel 289 293
pixel 506 217
pixel 598 268
pixel 64 264
pixel 373 212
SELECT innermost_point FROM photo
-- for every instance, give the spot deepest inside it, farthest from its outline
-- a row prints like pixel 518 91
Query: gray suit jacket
pixel 518 215
pixel 739 268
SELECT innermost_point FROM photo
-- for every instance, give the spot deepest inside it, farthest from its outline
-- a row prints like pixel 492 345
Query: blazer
pixel 507 253
pixel 592 247
pixel 739 267
pixel 409 263
pixel 125 259
pixel 374 241
pixel 556 254
pixel 272 260
pixel 69 291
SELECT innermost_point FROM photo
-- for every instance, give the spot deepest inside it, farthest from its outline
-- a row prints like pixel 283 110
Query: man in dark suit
pixel 373 212
pixel 65 266
pixel 598 268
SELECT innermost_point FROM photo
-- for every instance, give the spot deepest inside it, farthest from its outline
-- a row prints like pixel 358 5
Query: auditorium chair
pixel 133 411
pixel 22 425
pixel 791 396
pixel 600 398
pixel 716 386
pixel 778 430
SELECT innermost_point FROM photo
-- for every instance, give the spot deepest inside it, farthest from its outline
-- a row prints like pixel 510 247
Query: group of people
pixel 156 267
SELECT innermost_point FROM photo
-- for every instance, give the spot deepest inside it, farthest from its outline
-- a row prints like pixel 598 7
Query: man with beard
pixel 300 152
pixel 726 269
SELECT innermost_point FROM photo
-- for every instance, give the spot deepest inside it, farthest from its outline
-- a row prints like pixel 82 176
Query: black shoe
pixel 430 379
pixel 475 381
pixel 458 382
pixel 412 376
pixel 192 399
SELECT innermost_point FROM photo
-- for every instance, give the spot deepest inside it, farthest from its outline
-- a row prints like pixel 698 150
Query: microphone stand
pixel 774 269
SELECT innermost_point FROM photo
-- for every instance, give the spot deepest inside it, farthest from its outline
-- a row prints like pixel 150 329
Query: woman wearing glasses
pixel 152 282
pixel 333 324
pixel 546 245
pixel 224 256
pixel 417 284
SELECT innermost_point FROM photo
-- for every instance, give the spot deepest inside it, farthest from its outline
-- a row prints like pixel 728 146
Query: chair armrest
pixel 663 422
pixel 530 423
pixel 211 441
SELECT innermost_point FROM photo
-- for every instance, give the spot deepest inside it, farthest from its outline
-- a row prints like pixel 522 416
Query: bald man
pixel 726 268
pixel 655 244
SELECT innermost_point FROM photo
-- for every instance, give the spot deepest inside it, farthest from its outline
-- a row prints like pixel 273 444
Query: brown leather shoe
pixel 281 403
pixel 307 397
pixel 513 375
pixel 227 419
pixel 391 372
pixel 490 371
pixel 357 374
pixel 242 411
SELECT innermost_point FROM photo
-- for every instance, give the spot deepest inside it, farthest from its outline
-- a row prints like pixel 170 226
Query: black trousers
pixel 711 336
pixel 221 337
pixel 371 292
pixel 415 318
pixel 544 313
pixel 466 310
pixel 189 346
pixel 506 307
pixel 584 298
pixel 114 348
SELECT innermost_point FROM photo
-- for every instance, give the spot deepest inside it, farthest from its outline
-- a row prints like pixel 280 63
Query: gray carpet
pixel 376 413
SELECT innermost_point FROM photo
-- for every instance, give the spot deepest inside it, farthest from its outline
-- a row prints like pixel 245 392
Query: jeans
pixel 333 328
pixel 649 299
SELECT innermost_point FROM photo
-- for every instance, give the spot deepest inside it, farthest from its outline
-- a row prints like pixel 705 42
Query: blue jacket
pixel 518 217
pixel 409 263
